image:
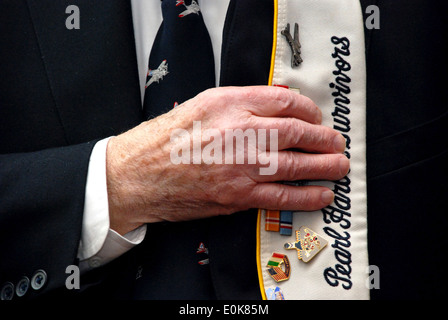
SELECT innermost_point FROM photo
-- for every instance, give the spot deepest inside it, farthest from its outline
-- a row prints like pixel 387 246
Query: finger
pixel 268 101
pixel 298 134
pixel 275 196
pixel 292 166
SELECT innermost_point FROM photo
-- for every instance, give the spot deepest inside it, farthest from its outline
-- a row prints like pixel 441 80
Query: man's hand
pixel 145 186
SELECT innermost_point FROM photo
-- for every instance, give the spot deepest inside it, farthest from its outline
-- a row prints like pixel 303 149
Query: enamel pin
pixel 308 244
pixel 294 44
pixel 202 249
pixel 275 267
pixel 274 294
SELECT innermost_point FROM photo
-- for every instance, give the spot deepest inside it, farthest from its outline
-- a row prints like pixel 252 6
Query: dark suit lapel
pixel 92 71
pixel 247 43
pixel 367 32
pixel 246 58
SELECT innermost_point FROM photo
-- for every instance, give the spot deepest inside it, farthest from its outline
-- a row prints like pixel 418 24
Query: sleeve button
pixel 39 279
pixel 7 291
pixel 95 262
pixel 22 287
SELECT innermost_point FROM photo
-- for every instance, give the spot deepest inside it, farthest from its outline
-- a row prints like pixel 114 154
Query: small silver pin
pixel 139 273
pixel 294 44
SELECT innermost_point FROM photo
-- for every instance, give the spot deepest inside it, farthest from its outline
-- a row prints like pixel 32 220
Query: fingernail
pixel 344 165
pixel 327 197
pixel 339 143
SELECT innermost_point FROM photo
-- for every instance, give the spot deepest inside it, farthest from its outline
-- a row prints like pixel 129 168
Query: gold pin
pixel 308 244
pixel 275 267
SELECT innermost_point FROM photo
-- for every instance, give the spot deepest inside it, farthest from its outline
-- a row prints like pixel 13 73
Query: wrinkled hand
pixel 145 186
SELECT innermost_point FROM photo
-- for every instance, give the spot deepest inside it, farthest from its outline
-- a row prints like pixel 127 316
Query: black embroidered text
pixel 339 214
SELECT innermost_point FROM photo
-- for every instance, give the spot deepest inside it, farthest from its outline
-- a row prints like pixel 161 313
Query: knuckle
pixel 329 164
pixel 199 105
pixel 298 130
pixel 229 196
pixel 283 98
pixel 226 198
pixel 293 167
pixel 212 99
pixel 250 121
pixel 283 198
pixel 292 131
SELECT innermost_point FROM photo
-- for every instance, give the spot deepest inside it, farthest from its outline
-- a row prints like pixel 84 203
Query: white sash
pixel 332 48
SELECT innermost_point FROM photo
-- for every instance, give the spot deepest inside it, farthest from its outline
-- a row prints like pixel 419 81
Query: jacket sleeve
pixel 41 210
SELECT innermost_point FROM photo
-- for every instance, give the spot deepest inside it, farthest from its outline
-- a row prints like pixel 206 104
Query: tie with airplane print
pixel 181 62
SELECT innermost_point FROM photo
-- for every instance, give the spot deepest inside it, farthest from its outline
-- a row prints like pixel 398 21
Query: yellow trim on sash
pixel 260 274
pixel 274 43
pixel 271 75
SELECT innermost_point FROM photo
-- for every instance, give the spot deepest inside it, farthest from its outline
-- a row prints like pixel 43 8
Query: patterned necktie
pixel 181 63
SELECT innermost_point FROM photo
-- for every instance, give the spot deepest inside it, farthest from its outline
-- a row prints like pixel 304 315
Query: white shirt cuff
pixel 99 244
pixel 114 246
